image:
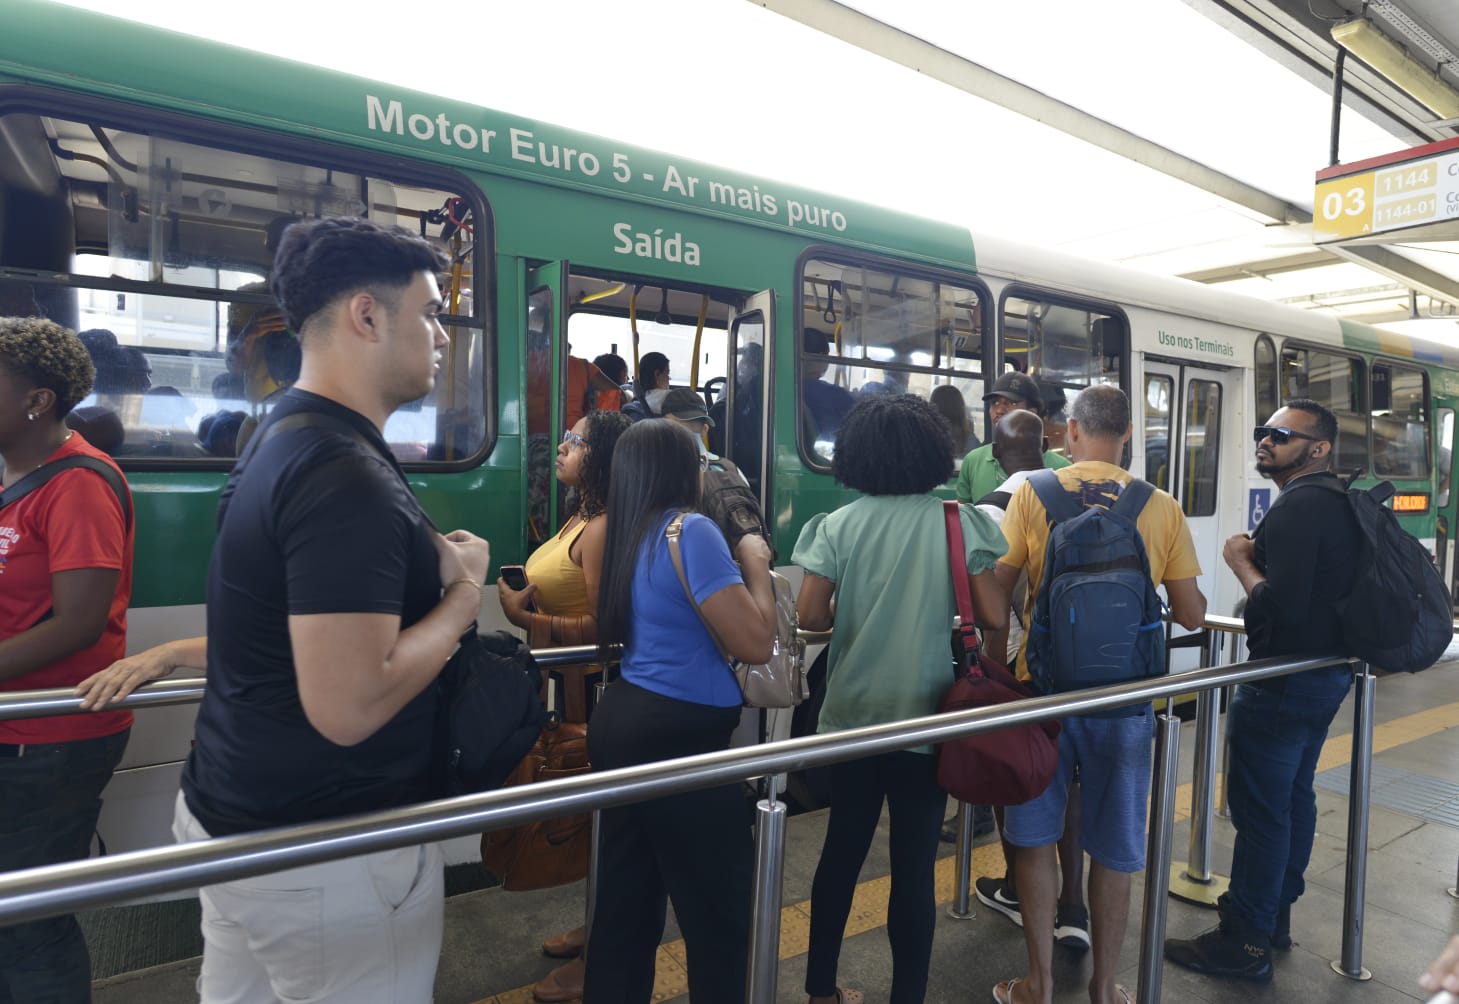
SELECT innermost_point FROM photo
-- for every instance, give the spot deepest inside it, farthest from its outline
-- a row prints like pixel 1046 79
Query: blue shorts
pixel 1112 758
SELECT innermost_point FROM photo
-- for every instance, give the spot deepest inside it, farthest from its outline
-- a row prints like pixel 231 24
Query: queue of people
pixel 334 603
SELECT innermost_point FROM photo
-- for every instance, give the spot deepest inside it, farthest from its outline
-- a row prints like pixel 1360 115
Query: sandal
pixel 1125 996
pixel 848 996
pixel 1003 992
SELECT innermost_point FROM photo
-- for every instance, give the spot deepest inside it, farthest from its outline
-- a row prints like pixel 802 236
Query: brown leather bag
pixel 550 852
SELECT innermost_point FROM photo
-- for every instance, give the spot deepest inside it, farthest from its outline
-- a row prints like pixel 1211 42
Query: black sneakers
pixel 993 893
pixel 1071 927
pixel 1225 953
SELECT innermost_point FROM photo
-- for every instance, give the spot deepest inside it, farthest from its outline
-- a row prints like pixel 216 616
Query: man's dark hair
pixel 604 428
pixel 1325 420
pixel 319 261
pixel 1102 410
pixel 892 445
pixel 614 367
pixel 650 365
pixel 815 342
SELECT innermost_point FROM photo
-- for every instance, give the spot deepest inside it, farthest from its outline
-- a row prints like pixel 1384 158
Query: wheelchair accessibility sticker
pixel 1261 501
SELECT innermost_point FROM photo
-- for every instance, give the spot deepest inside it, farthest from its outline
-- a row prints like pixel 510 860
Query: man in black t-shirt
pixel 332 607
pixel 1295 568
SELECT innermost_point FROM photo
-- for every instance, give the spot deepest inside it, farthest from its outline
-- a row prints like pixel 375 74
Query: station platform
pixel 492 954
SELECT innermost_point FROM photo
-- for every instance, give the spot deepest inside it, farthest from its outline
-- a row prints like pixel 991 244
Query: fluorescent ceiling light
pixel 1383 54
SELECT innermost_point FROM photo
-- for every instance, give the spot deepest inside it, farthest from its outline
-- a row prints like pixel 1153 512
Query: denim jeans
pixel 1275 736
pixel 51 797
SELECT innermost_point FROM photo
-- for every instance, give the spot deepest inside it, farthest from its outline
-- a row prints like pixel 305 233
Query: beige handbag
pixel 779 683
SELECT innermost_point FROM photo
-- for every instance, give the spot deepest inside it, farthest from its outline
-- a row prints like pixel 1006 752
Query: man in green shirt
pixel 981 472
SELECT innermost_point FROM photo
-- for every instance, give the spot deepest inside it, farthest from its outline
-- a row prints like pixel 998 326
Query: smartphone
pixel 515 576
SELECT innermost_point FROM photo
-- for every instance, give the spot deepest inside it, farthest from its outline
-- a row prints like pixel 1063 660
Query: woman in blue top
pixel 675 696
pixel 884 557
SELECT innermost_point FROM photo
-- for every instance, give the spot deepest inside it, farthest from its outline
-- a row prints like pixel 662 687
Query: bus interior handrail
pixel 57 889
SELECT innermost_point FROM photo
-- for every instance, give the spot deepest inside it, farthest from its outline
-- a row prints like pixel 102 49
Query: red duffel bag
pixel 1012 765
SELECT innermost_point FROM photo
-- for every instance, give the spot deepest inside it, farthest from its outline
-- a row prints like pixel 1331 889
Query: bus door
pixel 1188 414
pixel 749 395
pixel 1445 501
pixel 546 315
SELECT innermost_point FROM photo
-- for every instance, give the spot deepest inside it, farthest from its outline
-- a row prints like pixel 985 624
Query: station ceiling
pixel 1230 99
pixel 1177 136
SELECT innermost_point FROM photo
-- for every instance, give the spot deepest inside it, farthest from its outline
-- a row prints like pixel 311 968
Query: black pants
pixel 693 849
pixel 908 784
pixel 51 798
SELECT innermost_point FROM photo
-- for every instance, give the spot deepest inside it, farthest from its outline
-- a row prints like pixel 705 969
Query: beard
pixel 1268 469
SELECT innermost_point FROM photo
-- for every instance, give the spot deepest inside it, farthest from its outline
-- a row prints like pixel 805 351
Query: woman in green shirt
pixel 884 559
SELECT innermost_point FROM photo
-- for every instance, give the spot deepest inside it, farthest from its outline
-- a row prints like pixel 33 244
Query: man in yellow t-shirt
pixel 1111 755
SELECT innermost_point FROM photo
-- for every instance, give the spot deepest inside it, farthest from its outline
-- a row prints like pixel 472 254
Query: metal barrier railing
pixel 57 889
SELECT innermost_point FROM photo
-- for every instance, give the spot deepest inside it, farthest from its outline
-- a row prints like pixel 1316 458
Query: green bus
pixel 138 198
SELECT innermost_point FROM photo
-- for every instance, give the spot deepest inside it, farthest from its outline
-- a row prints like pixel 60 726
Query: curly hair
pixel 44 354
pixel 893 445
pixel 604 428
pixel 319 261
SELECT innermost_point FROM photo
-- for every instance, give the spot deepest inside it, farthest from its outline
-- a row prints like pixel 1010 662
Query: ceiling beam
pixel 1401 269
pixel 1262 269
pixel 881 39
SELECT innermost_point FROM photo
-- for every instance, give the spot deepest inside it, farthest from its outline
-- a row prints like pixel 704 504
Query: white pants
pixel 357 930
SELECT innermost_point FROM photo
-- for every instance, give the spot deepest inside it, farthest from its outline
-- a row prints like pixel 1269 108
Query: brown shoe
pixel 565 946
pixel 564 983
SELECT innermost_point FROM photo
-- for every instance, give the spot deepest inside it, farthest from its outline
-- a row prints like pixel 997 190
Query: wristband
pixel 466 579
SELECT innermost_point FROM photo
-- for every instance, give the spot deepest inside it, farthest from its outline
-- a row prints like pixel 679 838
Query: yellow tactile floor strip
pixel 869 906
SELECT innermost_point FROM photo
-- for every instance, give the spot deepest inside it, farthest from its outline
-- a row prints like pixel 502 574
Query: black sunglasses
pixel 1279 435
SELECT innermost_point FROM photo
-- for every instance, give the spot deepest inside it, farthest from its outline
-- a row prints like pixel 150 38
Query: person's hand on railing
pixel 125 675
pixel 1444 973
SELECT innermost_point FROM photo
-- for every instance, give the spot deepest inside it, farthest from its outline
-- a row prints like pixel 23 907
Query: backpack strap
pixel 996 499
pixel 672 533
pixel 43 474
pixel 965 637
pixel 1058 504
pixel 1132 499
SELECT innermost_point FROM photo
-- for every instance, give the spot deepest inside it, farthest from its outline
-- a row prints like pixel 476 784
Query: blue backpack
pixel 1097 619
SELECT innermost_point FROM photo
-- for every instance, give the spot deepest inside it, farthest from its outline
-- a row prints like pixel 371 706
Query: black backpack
pixel 731 503
pixel 1398 616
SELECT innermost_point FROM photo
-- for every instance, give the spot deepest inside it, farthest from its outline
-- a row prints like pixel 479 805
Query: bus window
pixel 1267 401
pixel 1065 347
pixel 1202 447
pixel 1400 422
pixel 867 329
pixel 1335 381
pixel 1159 391
pixel 158 250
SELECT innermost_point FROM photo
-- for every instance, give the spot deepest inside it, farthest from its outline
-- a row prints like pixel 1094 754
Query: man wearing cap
pixel 727 497
pixel 981 472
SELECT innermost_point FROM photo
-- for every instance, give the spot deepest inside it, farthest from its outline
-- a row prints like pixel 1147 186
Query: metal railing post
pixel 1454 889
pixel 594 840
pixel 1361 776
pixel 1194 882
pixel 1157 855
pixel 764 967
pixel 961 907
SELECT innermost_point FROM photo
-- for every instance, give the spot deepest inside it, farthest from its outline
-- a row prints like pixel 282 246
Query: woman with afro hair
pixel 65 580
pixel 884 559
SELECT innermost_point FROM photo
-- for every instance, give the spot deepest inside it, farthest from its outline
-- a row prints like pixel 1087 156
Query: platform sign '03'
pixel 1413 188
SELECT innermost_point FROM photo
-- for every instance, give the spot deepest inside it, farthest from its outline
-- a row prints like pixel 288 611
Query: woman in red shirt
pixel 65 579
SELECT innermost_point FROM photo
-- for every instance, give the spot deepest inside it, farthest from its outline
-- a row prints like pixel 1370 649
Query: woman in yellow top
pixel 561 575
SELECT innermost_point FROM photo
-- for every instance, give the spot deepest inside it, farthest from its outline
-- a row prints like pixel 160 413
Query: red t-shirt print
pixel 74 521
